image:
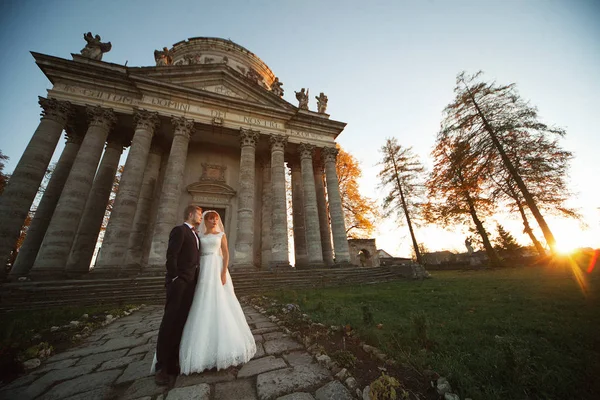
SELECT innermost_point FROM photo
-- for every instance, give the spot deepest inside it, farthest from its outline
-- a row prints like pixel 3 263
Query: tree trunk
pixel 527 227
pixel 407 215
pixel 515 175
pixel 492 255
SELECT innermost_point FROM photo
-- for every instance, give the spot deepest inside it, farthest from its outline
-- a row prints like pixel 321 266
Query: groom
pixel 183 258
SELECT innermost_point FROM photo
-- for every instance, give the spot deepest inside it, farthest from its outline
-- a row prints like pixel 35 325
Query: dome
pixel 206 50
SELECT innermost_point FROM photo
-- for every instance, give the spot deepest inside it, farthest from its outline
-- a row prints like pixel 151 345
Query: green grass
pixel 528 333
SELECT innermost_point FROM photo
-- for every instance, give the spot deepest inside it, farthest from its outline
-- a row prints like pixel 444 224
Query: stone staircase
pixel 150 290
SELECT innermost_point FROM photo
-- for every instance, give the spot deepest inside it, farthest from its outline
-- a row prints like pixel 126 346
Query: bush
pixel 385 388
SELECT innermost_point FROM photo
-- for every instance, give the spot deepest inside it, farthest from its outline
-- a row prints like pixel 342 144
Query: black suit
pixel 183 258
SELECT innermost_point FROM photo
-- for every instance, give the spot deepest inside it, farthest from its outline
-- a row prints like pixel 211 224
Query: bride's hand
pixel 224 278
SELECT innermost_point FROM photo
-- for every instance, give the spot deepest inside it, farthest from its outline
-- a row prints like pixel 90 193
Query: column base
pixel 311 265
pixel 243 267
pixel 48 276
pixel 275 266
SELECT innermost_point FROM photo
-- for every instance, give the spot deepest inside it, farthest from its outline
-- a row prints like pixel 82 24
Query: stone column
pixel 299 228
pixel 244 249
pixel 167 216
pixel 265 212
pixel 43 214
pixel 144 206
pixel 148 235
pixel 25 180
pixel 323 218
pixel 338 226
pixel 311 215
pixel 54 252
pixel 84 245
pixel 116 239
pixel 279 228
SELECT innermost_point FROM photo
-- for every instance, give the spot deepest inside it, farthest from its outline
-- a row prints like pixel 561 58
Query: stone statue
pixel 302 99
pixel 468 246
pixel 163 57
pixel 277 87
pixel 321 103
pixel 94 47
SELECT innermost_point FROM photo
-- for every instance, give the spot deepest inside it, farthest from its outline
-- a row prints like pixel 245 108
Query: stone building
pixel 207 125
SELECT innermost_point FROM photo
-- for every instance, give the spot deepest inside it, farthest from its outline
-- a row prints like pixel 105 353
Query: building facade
pixel 207 125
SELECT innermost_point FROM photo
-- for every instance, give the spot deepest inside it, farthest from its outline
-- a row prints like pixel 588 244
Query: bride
pixel 216 333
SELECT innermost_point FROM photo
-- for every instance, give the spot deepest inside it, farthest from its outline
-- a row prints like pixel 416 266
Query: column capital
pixel 329 154
pixel 248 137
pixel 59 111
pixel 306 151
pixel 102 117
pixel 278 142
pixel 183 126
pixel 147 120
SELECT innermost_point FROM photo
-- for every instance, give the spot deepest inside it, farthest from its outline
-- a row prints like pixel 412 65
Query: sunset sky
pixel 387 67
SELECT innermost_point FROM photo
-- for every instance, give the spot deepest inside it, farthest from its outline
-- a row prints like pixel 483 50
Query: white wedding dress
pixel 216 333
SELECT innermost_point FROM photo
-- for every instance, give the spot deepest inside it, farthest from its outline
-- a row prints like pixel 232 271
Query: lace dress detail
pixel 216 333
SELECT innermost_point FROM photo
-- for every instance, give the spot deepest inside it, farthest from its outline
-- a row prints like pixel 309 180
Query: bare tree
pixel 401 175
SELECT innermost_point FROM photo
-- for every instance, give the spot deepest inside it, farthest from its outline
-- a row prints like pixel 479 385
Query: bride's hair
pixel 219 225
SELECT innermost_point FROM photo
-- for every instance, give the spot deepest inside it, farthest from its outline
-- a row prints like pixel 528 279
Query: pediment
pixel 219 80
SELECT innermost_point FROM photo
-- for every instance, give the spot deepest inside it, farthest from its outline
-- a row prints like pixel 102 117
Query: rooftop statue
pixel 163 57
pixel 302 99
pixel 277 87
pixel 321 103
pixel 94 47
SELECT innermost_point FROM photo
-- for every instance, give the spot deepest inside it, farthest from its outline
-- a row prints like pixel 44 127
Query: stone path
pixel 114 363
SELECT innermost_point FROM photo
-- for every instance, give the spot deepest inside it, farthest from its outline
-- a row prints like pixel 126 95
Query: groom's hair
pixel 189 210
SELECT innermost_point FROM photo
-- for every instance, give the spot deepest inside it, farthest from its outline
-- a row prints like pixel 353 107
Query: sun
pixel 565 248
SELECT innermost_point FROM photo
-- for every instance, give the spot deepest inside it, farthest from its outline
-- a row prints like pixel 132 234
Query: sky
pixel 387 67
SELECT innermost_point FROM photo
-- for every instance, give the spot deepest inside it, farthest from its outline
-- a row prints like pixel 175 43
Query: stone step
pixel 44 294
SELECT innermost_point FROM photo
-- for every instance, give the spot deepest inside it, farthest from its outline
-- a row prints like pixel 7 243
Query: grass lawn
pixel 517 333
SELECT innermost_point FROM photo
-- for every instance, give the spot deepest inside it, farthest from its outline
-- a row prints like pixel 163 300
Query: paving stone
pixel 240 389
pixel 278 346
pixel 197 392
pixel 110 345
pixel 143 387
pixel 297 396
pixel 205 377
pixel 273 384
pixel 274 335
pixel 333 390
pixel 135 370
pixel 259 338
pixel 265 324
pixel 298 358
pixel 260 318
pixel 121 343
pixel 153 333
pixel 101 393
pixel 260 331
pixel 265 364
pixel 45 381
pixel 120 362
pixel 260 351
pixel 142 349
pixel 81 384
pixel 69 362
pixel 102 357
pixel 21 381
